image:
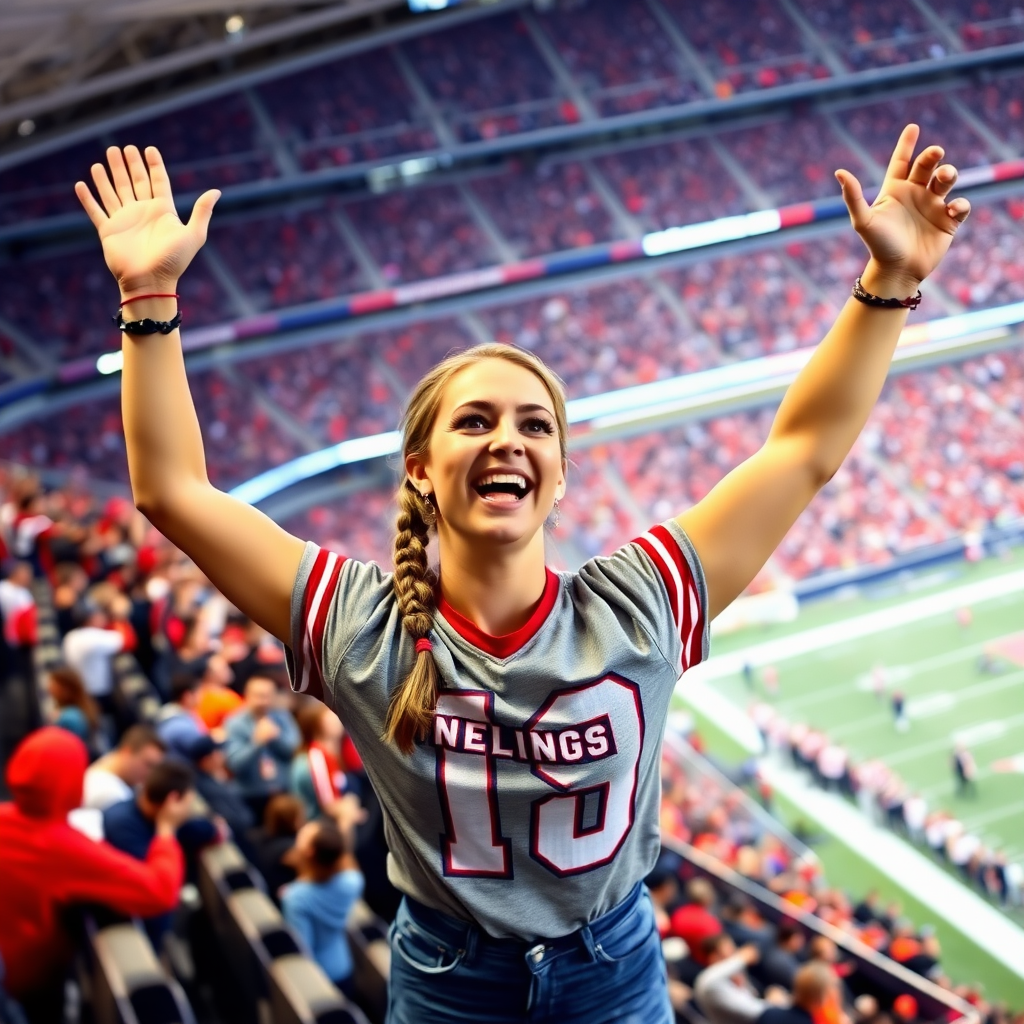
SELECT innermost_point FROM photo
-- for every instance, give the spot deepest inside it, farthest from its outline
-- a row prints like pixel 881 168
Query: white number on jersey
pixel 591 764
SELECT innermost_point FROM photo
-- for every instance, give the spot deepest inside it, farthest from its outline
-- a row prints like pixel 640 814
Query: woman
pixel 521 711
pixel 74 709
pixel 317 775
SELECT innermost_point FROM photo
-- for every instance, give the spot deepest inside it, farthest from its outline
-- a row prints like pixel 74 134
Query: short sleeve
pixel 332 600
pixel 658 580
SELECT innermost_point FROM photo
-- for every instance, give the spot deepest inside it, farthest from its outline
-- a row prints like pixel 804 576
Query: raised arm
pixel 907 230
pixel 250 559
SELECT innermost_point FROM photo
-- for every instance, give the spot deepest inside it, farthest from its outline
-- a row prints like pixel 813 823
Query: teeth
pixel 503 478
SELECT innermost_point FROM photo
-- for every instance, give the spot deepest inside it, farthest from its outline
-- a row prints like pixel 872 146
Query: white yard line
pixel 997 813
pixel 946 742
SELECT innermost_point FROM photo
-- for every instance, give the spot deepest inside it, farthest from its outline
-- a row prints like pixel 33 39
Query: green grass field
pixel 934 661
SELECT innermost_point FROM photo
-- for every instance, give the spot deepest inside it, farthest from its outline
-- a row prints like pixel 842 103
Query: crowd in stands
pixel 409 244
pixel 621 56
pixel 567 213
pixel 886 799
pixel 263 760
pixel 347 111
pixel 286 259
pixel 758 51
pixel 673 183
pixel 982 23
pixel 874 35
pixel 488 79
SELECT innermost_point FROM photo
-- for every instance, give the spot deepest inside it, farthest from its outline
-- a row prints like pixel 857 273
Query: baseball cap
pixel 201 746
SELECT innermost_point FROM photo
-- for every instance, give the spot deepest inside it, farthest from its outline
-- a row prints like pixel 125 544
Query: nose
pixel 506 437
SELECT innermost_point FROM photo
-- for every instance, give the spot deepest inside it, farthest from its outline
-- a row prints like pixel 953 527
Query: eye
pixel 469 421
pixel 537 425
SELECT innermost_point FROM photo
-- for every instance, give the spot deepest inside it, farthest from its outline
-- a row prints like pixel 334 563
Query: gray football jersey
pixel 532 807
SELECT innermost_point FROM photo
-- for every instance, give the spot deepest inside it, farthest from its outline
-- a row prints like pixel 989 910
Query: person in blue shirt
pixel 261 739
pixel 317 904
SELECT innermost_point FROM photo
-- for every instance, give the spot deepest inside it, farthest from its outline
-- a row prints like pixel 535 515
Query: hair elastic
pixel 423 644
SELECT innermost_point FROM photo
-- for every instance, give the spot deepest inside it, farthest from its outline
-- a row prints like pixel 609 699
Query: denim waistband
pixel 457 932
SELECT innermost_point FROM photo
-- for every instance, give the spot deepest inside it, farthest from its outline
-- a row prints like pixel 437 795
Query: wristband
pixel 146 326
pixel 876 300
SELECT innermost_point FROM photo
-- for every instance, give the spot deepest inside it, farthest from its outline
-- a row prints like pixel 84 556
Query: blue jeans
pixel 444 971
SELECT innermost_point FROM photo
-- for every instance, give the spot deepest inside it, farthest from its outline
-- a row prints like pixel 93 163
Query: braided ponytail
pixel 412 706
pixel 411 711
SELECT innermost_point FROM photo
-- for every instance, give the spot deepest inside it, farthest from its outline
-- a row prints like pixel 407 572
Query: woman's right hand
pixel 145 244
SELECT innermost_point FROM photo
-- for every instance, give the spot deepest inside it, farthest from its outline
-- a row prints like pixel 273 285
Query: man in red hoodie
pixel 46 865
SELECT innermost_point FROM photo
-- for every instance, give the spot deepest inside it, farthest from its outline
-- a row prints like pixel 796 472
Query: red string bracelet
pixel 155 295
pixel 423 645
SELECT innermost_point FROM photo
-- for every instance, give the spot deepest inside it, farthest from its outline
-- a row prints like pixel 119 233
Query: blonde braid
pixel 411 710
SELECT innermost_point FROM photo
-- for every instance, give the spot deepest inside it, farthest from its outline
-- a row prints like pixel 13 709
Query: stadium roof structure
pixel 65 60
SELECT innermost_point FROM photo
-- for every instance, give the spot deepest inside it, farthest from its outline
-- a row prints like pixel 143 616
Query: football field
pixel 963 682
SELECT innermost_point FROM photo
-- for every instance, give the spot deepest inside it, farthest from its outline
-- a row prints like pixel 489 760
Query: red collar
pixel 507 645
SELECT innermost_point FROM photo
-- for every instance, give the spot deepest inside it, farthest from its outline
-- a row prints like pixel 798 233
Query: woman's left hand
pixel 910 225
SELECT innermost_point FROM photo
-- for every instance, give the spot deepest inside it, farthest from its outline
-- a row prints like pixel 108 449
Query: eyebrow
pixel 490 407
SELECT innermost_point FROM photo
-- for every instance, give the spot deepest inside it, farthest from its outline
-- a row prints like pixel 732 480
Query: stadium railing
pixel 889 977
pixel 135 697
pixel 123 980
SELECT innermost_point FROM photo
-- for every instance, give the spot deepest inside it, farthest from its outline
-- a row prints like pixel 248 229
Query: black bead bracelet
pixel 146 326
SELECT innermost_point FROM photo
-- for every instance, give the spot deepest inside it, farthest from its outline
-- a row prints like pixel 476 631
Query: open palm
pixel 144 242
pixel 910 225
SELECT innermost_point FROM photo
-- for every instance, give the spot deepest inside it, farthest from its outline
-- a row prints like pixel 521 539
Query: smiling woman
pixel 509 717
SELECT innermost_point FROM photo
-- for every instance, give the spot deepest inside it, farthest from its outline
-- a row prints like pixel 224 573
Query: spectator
pixel 45 864
pixel 114 776
pixel 178 723
pixel 781 959
pixel 317 904
pixel 261 740
pixel 131 824
pixel 282 819
pixel 317 776
pixel 89 648
pixel 694 921
pixel 215 700
pixel 816 998
pixel 18 608
pixel 215 785
pixel 723 990
pixel 74 709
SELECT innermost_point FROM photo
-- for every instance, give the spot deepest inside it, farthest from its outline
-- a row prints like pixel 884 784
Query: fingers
pixel 120 176
pixel 108 197
pixel 924 166
pixel 137 171
pixel 92 208
pixel 203 211
pixel 159 181
pixel 959 209
pixel 853 196
pixel 943 180
pixel 899 162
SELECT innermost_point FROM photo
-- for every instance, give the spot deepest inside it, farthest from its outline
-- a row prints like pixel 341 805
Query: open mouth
pixel 503 488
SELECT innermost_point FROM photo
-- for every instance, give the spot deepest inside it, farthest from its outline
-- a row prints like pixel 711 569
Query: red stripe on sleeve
pixel 663 570
pixel 319 624
pixel 690 616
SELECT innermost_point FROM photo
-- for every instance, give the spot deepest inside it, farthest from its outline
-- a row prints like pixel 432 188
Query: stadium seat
pixel 128 984
pixel 371 954
pixel 300 993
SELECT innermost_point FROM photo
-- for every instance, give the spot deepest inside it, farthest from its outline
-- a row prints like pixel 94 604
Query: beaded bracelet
pixel 146 326
pixel 868 299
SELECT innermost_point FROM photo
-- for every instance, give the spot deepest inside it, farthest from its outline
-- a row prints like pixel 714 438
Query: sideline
pixel 910 869
pixel 989 929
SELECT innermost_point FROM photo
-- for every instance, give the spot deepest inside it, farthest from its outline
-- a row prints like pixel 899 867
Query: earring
pixel 430 517
pixel 557 516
